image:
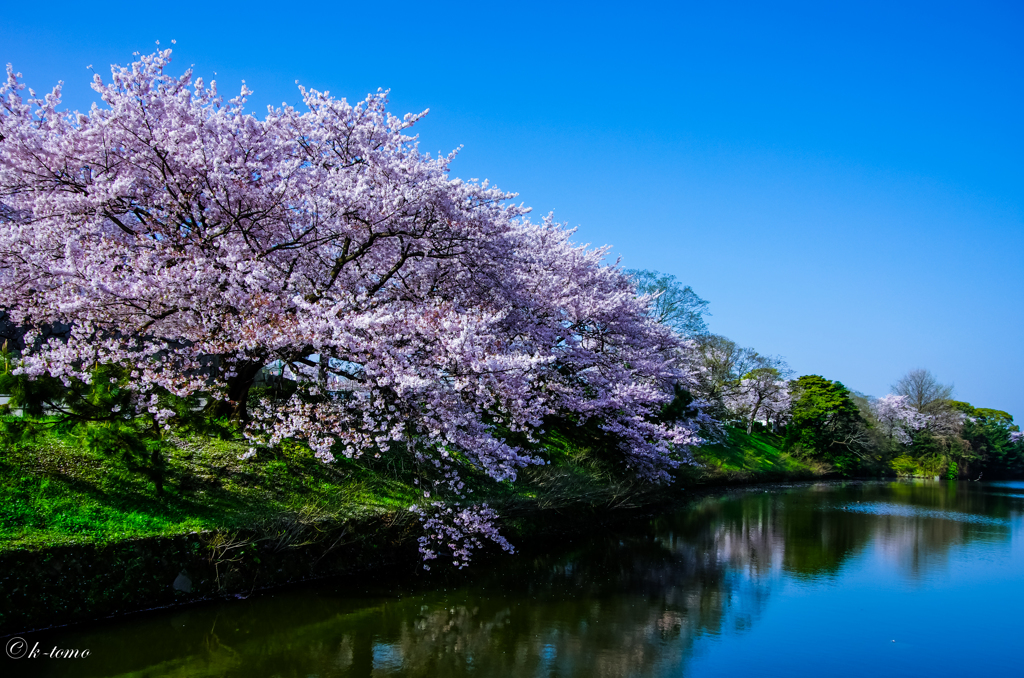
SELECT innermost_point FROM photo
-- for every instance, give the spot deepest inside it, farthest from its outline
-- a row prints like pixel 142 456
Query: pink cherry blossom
pixel 897 418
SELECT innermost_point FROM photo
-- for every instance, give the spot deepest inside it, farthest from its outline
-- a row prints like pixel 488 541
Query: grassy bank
pixel 82 537
pixel 54 492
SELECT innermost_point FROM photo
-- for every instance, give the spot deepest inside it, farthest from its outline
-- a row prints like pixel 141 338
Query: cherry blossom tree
pixel 762 391
pixel 188 244
pixel 897 418
pixel 720 365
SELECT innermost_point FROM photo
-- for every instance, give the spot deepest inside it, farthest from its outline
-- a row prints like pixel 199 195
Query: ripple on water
pixel 1008 484
pixel 904 511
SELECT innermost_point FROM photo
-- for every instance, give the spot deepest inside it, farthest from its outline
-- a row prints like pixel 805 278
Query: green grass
pixel 54 492
pixel 751 457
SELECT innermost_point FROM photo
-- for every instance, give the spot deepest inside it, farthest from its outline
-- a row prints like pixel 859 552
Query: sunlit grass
pixel 54 492
pixel 760 453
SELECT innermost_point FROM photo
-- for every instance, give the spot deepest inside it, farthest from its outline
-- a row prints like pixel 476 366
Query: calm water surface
pixel 847 579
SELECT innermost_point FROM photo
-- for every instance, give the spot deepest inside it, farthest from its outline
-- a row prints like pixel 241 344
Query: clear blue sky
pixel 843 183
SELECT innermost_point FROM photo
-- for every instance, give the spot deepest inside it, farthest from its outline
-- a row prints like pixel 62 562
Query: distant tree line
pixel 916 430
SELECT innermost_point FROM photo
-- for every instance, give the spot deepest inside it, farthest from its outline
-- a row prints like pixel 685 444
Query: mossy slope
pixel 758 457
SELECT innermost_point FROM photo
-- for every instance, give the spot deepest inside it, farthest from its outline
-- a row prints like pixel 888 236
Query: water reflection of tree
pixel 761 534
pixel 942 516
pixel 612 607
pixel 615 608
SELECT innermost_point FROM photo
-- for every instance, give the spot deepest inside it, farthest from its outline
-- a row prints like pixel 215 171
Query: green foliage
pixel 936 451
pixel 989 439
pixel 928 466
pixel 826 423
pixel 995 416
pixel 982 446
pixel 765 373
pixel 905 465
pixel 960 406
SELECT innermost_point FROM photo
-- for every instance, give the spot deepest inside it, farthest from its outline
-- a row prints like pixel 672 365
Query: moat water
pixel 831 579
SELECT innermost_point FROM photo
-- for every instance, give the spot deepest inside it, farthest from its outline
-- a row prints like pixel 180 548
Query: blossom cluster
pixel 897 418
pixel 762 398
pixel 457 529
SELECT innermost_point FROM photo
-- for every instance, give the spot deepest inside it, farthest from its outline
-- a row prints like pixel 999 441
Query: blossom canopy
pixel 192 243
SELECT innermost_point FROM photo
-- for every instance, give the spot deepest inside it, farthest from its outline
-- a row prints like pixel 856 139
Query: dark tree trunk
pixel 238 392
